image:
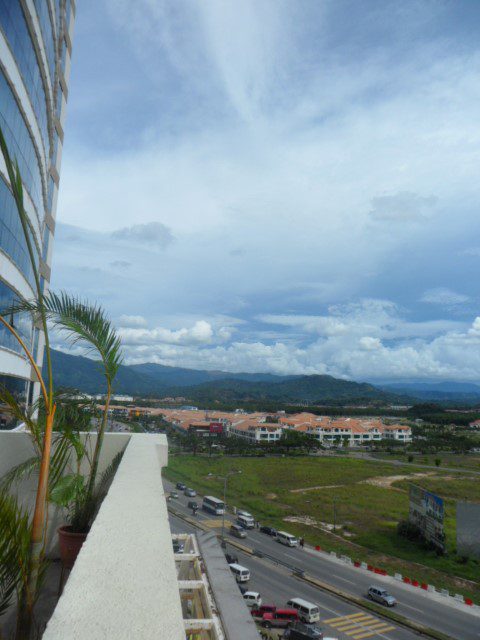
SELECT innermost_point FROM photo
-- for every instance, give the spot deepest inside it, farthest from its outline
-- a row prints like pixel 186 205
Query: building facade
pixel 35 54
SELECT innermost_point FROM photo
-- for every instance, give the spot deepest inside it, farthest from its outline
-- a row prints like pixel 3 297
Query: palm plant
pixel 89 326
pixel 83 323
pixel 37 529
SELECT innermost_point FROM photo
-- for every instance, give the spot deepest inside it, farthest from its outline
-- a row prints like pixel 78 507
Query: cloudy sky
pixel 286 186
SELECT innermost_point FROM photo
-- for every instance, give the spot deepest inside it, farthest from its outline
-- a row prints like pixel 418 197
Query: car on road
pixel 231 558
pixel 192 504
pixel 178 547
pixel 237 531
pixel 301 631
pixel 279 619
pixel 190 493
pixel 244 514
pixel 181 486
pixel 252 599
pixel 381 595
pixel 265 608
pixel 270 531
pixel 307 611
pixel 173 494
pixel 242 574
pixel 287 539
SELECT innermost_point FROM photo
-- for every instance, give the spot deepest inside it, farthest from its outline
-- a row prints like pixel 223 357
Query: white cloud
pixel 401 207
pixel 444 296
pixel 200 333
pixel 131 321
pixel 295 168
pixel 151 233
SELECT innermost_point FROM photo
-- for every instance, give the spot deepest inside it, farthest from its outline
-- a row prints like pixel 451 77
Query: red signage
pixel 216 427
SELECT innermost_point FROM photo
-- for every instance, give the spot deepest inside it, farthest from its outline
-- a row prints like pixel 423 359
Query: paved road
pixel 276 586
pixel 412 604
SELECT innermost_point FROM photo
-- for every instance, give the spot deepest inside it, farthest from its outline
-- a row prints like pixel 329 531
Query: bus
pixel 213 505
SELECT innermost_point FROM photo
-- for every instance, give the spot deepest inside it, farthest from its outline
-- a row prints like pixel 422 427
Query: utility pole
pixel 225 479
pixel 334 514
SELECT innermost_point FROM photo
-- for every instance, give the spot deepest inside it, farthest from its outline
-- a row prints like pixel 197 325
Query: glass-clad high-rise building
pixel 35 53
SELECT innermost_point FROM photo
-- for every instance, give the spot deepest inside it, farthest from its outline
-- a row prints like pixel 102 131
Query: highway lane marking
pixel 348 627
pixel 370 633
pixel 377 625
pixel 357 617
pixel 352 615
pixel 413 608
pixel 344 579
pixel 359 625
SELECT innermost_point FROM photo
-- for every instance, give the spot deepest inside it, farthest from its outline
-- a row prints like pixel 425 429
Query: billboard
pixel 427 513
pixel 468 529
pixel 216 427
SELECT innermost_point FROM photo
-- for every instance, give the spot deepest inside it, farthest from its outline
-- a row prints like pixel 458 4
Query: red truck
pixel 279 619
pixel 265 608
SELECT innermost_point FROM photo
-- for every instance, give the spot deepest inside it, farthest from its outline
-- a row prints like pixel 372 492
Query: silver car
pixel 378 594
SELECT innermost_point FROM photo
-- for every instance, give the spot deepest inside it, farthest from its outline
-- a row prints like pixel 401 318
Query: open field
pixel 301 495
pixel 447 460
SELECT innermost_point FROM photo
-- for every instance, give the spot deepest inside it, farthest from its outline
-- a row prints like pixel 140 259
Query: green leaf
pixel 68 490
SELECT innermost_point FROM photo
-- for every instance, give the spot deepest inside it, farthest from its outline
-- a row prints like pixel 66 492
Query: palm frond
pixel 15 407
pixel 83 323
pixel 107 476
pixel 14 548
pixel 19 473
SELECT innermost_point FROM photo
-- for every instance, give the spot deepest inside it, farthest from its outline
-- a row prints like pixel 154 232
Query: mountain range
pixel 155 380
pixel 202 386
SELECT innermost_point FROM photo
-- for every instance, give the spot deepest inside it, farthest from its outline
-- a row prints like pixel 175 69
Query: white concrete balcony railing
pixel 124 583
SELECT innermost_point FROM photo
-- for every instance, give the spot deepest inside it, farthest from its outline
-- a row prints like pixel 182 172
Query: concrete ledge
pixel 237 621
pixel 124 583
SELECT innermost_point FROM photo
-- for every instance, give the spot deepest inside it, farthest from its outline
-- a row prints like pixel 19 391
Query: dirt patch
pixel 386 481
pixel 322 486
pixel 271 496
pixel 311 522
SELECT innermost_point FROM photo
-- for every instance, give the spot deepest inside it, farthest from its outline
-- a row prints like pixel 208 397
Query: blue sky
pixel 278 186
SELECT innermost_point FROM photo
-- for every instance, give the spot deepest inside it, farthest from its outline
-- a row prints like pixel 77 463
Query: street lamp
pixel 225 479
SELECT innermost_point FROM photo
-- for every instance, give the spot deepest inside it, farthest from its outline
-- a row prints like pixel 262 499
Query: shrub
pixel 408 530
pixel 410 458
pixel 438 462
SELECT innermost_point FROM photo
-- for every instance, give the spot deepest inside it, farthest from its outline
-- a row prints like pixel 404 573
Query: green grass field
pixel 369 501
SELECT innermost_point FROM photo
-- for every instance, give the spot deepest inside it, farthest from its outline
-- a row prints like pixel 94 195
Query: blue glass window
pixel 46 242
pixel 12 21
pixel 18 388
pixel 48 34
pixel 51 190
pixel 20 144
pixel 22 322
pixel 12 240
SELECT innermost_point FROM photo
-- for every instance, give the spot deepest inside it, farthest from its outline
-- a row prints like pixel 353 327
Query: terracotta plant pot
pixel 70 544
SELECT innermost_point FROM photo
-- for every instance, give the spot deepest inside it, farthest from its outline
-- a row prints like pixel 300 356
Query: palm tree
pixel 37 531
pixel 82 323
pixel 89 326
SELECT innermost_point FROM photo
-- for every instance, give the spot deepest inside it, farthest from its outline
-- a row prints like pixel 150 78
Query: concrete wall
pixel 16 447
pixel 124 583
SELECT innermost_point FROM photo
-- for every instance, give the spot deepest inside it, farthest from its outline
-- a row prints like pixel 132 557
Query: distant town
pixel 268 428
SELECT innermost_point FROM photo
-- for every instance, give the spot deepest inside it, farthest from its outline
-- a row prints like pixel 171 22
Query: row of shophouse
pixel 258 427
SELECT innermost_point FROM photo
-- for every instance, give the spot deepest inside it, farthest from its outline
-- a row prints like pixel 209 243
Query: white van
pixel 242 574
pixel 247 522
pixel 287 539
pixel 307 612
pixel 241 512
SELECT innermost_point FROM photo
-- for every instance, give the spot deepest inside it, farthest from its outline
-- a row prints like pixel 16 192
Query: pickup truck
pixel 257 612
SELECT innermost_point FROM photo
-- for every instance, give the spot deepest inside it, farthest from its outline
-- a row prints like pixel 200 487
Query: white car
pixel 252 599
